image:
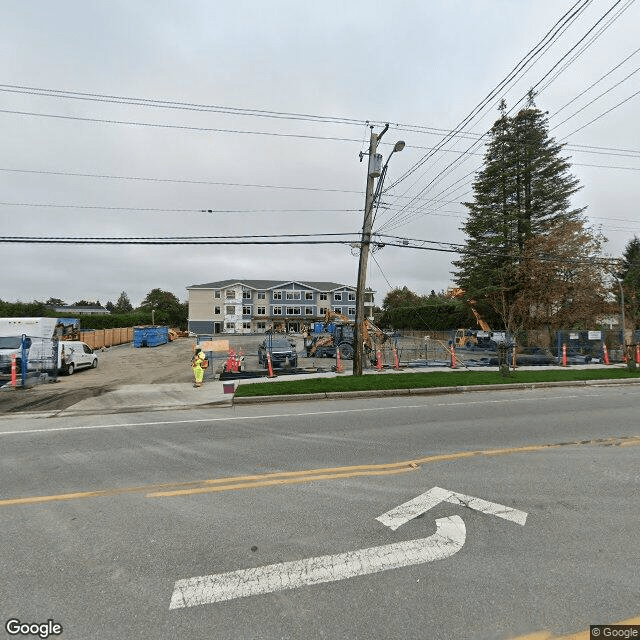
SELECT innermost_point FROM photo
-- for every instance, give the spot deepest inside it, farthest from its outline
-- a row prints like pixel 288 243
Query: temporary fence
pixel 99 338
pixel 34 360
pixel 217 352
pixel 563 347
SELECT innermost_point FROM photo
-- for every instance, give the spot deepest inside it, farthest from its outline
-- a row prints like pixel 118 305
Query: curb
pixel 381 393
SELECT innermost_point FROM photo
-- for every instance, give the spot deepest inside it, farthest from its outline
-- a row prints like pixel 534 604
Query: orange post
pixel 638 353
pixel 395 357
pixel 339 367
pixel 453 357
pixel 606 354
pixel 14 371
pixel 379 363
pixel 564 355
pixel 271 374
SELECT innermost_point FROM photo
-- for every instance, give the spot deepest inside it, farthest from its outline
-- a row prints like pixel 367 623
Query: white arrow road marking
pixel 416 507
pixel 448 539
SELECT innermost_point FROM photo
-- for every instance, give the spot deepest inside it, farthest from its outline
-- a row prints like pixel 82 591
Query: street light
pixel 365 242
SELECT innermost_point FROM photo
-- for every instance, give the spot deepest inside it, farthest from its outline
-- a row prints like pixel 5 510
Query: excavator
pixel 324 345
pixel 486 338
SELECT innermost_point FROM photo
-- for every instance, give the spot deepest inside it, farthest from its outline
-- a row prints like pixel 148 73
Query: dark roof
pixel 271 284
pixel 72 309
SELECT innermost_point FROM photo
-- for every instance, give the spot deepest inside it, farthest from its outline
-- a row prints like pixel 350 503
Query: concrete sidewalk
pixel 154 397
pixel 216 393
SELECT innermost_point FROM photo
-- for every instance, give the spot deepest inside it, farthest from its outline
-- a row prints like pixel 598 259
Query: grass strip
pixel 425 380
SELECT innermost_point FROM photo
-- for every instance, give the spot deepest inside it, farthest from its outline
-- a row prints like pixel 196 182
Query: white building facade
pixel 255 306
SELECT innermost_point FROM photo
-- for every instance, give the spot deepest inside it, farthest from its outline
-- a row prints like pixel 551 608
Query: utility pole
pixel 374 162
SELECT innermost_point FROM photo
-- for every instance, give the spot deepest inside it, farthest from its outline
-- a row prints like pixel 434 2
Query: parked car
pixel 282 349
pixel 76 355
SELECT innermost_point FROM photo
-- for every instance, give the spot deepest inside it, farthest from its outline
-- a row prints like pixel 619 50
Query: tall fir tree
pixel 629 274
pixel 522 193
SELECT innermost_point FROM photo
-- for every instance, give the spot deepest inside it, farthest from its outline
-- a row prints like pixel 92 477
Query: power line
pixel 565 20
pixel 601 115
pixel 600 79
pixel 402 219
pixel 165 210
pixel 172 104
pixel 604 93
pixel 590 42
pixel 249 240
pixel 172 180
pixel 155 125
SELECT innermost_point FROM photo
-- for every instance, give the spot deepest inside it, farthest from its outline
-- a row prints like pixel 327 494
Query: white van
pixel 39 335
pixel 75 355
pixel 43 350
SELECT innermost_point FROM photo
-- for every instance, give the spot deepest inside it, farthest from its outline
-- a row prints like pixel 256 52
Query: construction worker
pixel 196 364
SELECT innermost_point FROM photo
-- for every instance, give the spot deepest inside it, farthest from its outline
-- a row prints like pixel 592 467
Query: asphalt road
pixel 106 519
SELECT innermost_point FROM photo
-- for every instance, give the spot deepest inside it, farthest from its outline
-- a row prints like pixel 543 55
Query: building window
pixel 337 296
pixel 293 311
pixel 230 310
pixel 230 325
pixel 323 296
pixel 308 311
pixel 230 293
pixel 293 295
pixel 352 311
pixel 261 326
pixel 337 309
pixel 322 311
pixel 277 295
pixel 352 296
pixel 246 295
pixel 308 295
pixel 262 295
pixel 277 311
pixel 262 311
pixel 246 325
pixel 246 311
pixel 217 310
pixel 216 293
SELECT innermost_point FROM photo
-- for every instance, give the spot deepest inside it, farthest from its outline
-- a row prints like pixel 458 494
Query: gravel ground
pixel 117 366
pixel 126 365
pixel 168 363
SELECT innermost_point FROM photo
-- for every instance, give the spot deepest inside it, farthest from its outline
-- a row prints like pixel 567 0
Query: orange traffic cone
pixel 271 374
pixel 395 357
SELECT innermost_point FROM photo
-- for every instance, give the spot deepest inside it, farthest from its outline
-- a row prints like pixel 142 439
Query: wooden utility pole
pixel 358 350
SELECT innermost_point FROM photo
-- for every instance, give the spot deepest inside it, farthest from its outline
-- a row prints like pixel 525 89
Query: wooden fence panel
pixel 107 337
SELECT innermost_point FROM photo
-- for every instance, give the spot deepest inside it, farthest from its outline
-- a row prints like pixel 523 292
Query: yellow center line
pixel 279 481
pixel 234 483
pixel 581 635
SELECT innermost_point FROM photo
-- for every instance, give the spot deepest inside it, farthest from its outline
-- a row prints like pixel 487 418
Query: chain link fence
pixel 477 349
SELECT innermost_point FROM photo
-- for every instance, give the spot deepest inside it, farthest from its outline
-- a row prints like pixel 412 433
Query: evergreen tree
pixel 630 275
pixel 521 194
pixel 123 304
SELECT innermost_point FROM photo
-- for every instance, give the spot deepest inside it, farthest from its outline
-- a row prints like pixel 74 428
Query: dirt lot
pixel 125 365
pixel 116 366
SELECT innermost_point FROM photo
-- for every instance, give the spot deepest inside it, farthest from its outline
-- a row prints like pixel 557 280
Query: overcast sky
pixel 76 167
